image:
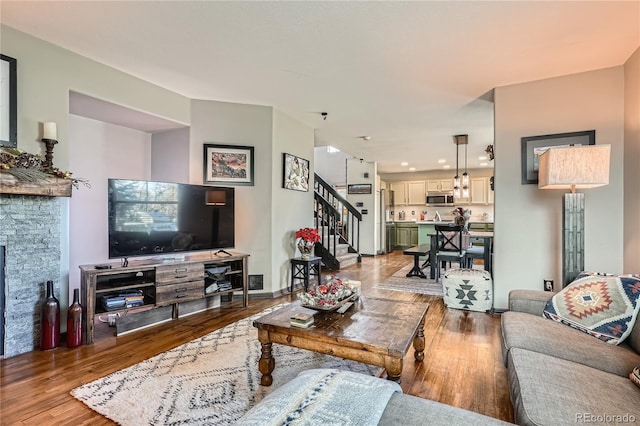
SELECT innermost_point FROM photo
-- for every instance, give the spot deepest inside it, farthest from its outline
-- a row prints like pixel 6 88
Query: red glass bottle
pixel 50 320
pixel 74 322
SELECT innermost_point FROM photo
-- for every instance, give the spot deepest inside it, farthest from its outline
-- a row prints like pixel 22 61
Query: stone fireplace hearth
pixel 30 228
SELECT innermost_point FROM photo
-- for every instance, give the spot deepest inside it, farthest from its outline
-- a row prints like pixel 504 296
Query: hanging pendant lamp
pixel 456 179
pixel 465 175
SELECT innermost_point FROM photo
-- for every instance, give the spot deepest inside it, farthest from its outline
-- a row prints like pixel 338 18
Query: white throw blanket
pixel 324 397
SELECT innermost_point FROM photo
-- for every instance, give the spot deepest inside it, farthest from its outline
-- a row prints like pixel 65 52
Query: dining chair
pixel 474 252
pixel 451 246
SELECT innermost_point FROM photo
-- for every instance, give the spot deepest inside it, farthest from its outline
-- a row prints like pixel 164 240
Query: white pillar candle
pixel 49 130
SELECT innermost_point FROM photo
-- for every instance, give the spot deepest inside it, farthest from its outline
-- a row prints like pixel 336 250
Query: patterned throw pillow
pixel 635 376
pixel 602 305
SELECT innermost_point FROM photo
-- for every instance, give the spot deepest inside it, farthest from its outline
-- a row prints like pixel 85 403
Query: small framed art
pixel 295 173
pixel 228 164
pixel 360 188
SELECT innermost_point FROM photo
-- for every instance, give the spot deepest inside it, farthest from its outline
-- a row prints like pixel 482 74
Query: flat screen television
pixel 152 218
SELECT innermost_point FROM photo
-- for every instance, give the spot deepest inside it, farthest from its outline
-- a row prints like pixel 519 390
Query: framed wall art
pixel 295 173
pixel 360 188
pixel 8 102
pixel 228 164
pixel 534 146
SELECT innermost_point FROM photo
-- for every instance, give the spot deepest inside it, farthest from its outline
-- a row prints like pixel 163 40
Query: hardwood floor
pixel 462 367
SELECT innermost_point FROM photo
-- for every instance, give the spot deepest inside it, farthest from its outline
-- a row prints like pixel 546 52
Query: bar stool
pixel 301 269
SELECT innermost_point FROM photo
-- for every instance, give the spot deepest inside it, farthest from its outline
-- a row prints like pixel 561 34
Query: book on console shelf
pixel 302 320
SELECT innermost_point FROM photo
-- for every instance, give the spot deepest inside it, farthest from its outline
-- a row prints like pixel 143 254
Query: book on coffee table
pixel 302 320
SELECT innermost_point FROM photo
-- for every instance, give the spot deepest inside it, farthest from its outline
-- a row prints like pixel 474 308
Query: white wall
pixel 45 74
pixel 331 166
pixel 290 210
pixel 170 156
pixel 369 232
pixel 528 241
pixel 123 153
pixel 631 162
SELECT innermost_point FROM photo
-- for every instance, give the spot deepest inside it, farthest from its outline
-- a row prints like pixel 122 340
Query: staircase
pixel 339 225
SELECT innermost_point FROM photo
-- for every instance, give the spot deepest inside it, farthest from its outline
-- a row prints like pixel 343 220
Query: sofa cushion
pixel 525 331
pixel 635 376
pixel 407 410
pixel 604 306
pixel 551 391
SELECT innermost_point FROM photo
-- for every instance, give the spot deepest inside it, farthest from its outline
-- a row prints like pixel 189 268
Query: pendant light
pixel 456 179
pixel 461 140
pixel 465 175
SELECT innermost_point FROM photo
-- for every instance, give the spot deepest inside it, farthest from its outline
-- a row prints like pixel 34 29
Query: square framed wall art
pixel 295 173
pixel 534 146
pixel 228 165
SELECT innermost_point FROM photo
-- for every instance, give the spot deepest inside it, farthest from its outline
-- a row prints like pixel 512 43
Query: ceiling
pixel 408 74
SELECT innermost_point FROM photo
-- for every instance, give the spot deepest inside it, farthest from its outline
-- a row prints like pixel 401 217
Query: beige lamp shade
pixel 579 167
pixel 216 198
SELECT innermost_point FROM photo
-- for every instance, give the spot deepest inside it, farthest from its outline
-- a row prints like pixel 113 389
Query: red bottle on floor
pixel 74 322
pixel 50 320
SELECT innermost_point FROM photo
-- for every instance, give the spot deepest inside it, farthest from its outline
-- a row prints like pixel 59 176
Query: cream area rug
pixel 212 380
pixel 399 282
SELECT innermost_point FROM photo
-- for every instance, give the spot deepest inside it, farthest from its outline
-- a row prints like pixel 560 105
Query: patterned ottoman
pixel 469 289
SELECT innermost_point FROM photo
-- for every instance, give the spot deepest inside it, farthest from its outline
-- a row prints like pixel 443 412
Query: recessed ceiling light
pixel 404 163
pixel 366 138
pixel 482 158
pixel 412 169
pixel 442 161
pixel 446 166
pixel 483 164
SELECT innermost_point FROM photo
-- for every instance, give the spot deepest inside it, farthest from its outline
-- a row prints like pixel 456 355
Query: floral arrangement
pixel 461 216
pixel 327 295
pixel 28 167
pixel 308 234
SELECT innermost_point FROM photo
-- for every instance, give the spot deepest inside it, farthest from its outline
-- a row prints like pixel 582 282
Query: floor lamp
pixel 573 167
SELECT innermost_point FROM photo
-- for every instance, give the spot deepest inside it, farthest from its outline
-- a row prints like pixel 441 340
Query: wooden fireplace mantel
pixel 50 187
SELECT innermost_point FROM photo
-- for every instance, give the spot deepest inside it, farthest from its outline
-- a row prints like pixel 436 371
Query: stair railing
pixel 337 220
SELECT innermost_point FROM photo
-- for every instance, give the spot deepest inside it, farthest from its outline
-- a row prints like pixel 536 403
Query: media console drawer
pixel 173 293
pixel 174 274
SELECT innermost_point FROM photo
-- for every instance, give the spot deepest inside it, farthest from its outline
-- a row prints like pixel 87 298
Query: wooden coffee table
pixel 373 331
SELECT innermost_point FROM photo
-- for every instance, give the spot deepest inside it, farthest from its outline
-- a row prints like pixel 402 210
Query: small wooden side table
pixel 301 270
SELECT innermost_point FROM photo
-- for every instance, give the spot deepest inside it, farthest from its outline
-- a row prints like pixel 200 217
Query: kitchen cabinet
pixel 478 192
pixel 405 193
pixel 416 191
pixel 399 193
pixel 406 235
pixel 440 185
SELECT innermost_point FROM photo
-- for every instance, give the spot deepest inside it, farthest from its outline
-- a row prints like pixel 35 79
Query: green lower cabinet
pixel 403 237
pixel 406 235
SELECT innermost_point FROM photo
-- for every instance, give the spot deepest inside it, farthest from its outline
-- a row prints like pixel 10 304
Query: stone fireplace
pixel 30 227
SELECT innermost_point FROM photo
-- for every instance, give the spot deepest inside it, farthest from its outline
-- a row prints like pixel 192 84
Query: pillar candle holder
pixel 48 157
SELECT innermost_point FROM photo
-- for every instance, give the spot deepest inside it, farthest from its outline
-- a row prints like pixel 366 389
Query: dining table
pixel 487 241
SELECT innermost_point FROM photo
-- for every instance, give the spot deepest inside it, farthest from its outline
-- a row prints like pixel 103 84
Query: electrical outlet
pixel 548 285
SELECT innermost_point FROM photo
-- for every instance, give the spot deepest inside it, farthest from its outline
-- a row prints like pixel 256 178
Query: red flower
pixel 308 234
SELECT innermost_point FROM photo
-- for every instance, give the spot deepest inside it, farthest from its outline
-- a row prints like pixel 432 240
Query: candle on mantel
pixel 49 130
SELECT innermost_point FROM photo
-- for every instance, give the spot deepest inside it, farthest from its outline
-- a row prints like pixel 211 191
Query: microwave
pixel 440 199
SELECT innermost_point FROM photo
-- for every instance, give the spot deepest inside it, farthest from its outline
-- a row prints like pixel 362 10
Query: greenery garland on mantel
pixel 27 168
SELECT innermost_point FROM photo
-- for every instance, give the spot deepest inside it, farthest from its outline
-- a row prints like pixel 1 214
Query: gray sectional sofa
pixel 324 396
pixel 562 376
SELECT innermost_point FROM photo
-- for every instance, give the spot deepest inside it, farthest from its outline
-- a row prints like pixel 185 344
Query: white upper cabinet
pixel 413 192
pixel 440 185
pixel 479 190
pixel 399 193
pixel 416 192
